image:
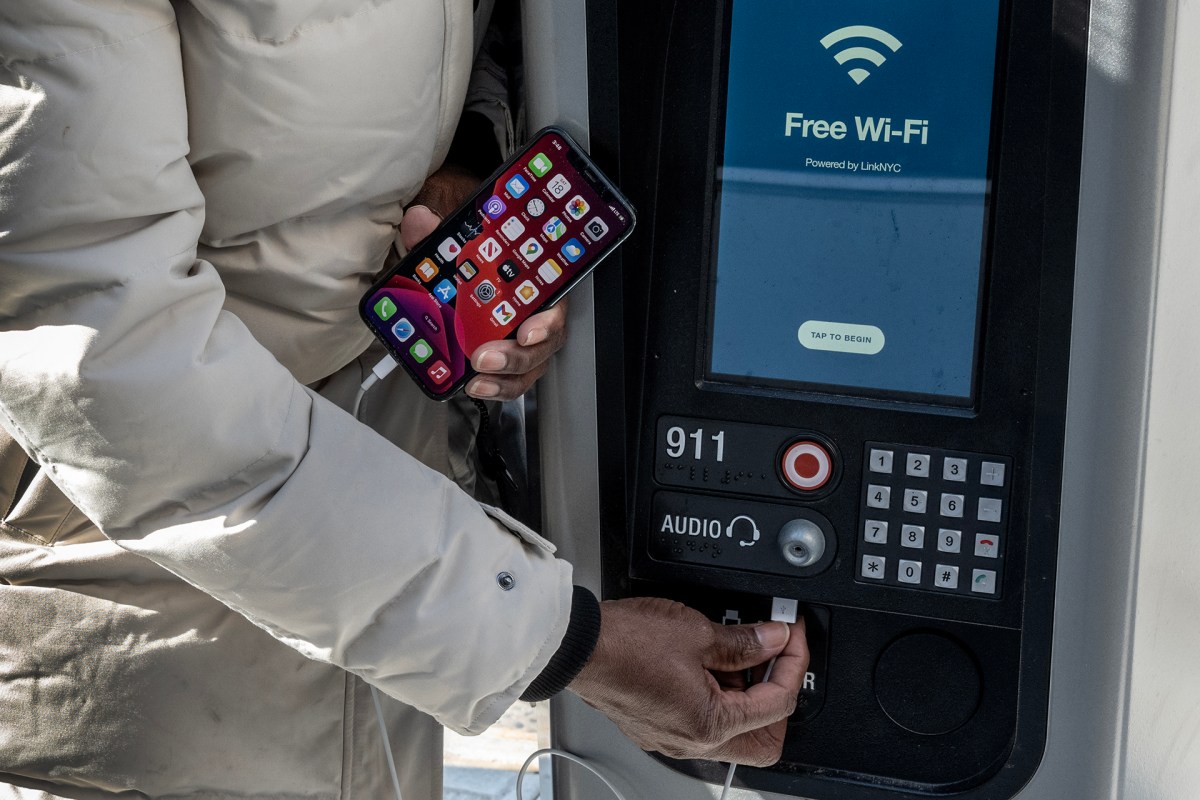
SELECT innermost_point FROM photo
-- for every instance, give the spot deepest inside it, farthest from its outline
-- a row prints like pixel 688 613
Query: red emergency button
pixel 807 466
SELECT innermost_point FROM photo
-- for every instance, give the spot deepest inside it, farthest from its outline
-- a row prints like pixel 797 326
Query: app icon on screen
pixel 420 351
pixel 445 291
pixel 516 186
pixel 471 227
pixel 550 270
pixel 527 292
pixel 509 271
pixel 539 165
pixel 384 308
pixel 559 186
pixel 494 207
pixel 490 249
pixel 427 270
pixel 503 312
pixel 532 249
pixel 572 250
pixel 403 329
pixel 596 228
pixel 439 372
pixel 536 207
pixel 486 291
pixel 512 228
pixel 554 229
pixel 449 249
pixel 467 270
pixel 577 207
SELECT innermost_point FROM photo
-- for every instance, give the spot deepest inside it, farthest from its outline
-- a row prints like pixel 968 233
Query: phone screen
pixel 527 236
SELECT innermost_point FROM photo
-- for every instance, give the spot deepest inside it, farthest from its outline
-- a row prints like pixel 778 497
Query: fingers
pixel 509 367
pixel 755 720
pixel 672 681
pixel 744 646
pixel 504 387
pixel 792 664
pixel 446 189
pixel 439 196
pixel 757 748
pixel 545 326
pixel 419 221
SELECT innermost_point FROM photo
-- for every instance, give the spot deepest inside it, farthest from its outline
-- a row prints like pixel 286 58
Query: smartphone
pixel 530 233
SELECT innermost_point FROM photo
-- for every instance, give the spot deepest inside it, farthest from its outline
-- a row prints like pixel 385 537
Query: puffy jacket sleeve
pixel 162 418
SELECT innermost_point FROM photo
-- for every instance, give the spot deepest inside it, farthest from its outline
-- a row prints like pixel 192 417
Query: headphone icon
pixel 754 536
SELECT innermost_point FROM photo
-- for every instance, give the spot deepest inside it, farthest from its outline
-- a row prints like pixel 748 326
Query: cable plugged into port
pixel 783 609
pixel 378 373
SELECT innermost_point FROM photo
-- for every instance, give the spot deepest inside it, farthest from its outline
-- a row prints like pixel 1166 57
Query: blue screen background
pixel 900 251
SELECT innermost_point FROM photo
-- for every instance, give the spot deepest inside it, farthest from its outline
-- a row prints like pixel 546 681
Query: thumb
pixel 419 221
pixel 737 647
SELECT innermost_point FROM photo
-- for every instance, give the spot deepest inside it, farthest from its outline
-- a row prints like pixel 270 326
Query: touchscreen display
pixel 522 242
pixel 853 195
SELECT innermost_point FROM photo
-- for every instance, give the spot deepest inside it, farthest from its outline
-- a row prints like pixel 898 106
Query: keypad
pixel 933 519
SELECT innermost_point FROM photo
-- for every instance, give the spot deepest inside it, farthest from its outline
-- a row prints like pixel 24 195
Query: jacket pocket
pixel 523 531
pixel 33 508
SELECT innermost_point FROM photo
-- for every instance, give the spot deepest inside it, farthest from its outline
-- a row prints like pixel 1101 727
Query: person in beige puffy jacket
pixel 205 562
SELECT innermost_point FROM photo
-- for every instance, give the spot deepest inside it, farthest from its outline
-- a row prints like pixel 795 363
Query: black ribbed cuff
pixel 573 653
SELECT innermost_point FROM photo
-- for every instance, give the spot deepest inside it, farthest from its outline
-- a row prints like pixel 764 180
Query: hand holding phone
pixel 507 368
pixel 532 231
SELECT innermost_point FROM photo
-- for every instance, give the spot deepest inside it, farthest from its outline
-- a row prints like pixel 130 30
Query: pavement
pixel 485 767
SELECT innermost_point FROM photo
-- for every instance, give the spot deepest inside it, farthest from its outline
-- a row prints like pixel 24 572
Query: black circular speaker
pixel 927 683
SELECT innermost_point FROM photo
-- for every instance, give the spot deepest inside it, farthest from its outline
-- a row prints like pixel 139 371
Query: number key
pixel 914 500
pixel 954 469
pixel 879 496
pixel 875 531
pixel 949 541
pixel 918 465
pixel 910 572
pixel 912 536
pixel 952 505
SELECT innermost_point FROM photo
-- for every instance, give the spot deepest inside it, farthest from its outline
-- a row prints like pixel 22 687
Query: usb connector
pixel 784 609
pixel 378 373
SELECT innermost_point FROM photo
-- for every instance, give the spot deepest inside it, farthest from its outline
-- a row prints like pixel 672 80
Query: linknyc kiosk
pixel 839 361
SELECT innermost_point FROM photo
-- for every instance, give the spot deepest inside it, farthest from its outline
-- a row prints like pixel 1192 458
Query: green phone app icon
pixel 385 308
pixel 421 351
pixel 540 165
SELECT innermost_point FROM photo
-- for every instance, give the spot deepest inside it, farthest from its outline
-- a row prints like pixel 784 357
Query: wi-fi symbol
pixel 859 52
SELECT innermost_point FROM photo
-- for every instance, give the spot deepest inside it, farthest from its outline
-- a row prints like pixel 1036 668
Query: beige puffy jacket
pixel 193 196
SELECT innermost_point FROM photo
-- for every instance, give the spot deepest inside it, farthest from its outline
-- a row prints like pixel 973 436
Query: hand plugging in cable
pixel 673 681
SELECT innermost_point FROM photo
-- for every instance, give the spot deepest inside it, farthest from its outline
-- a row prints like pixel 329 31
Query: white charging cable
pixel 387 743
pixel 783 609
pixel 378 373
pixel 554 751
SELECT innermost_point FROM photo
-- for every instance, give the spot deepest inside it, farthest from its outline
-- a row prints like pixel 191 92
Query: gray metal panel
pixel 555 51
pixel 556 84
pixel 1125 708
pixel 1161 758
